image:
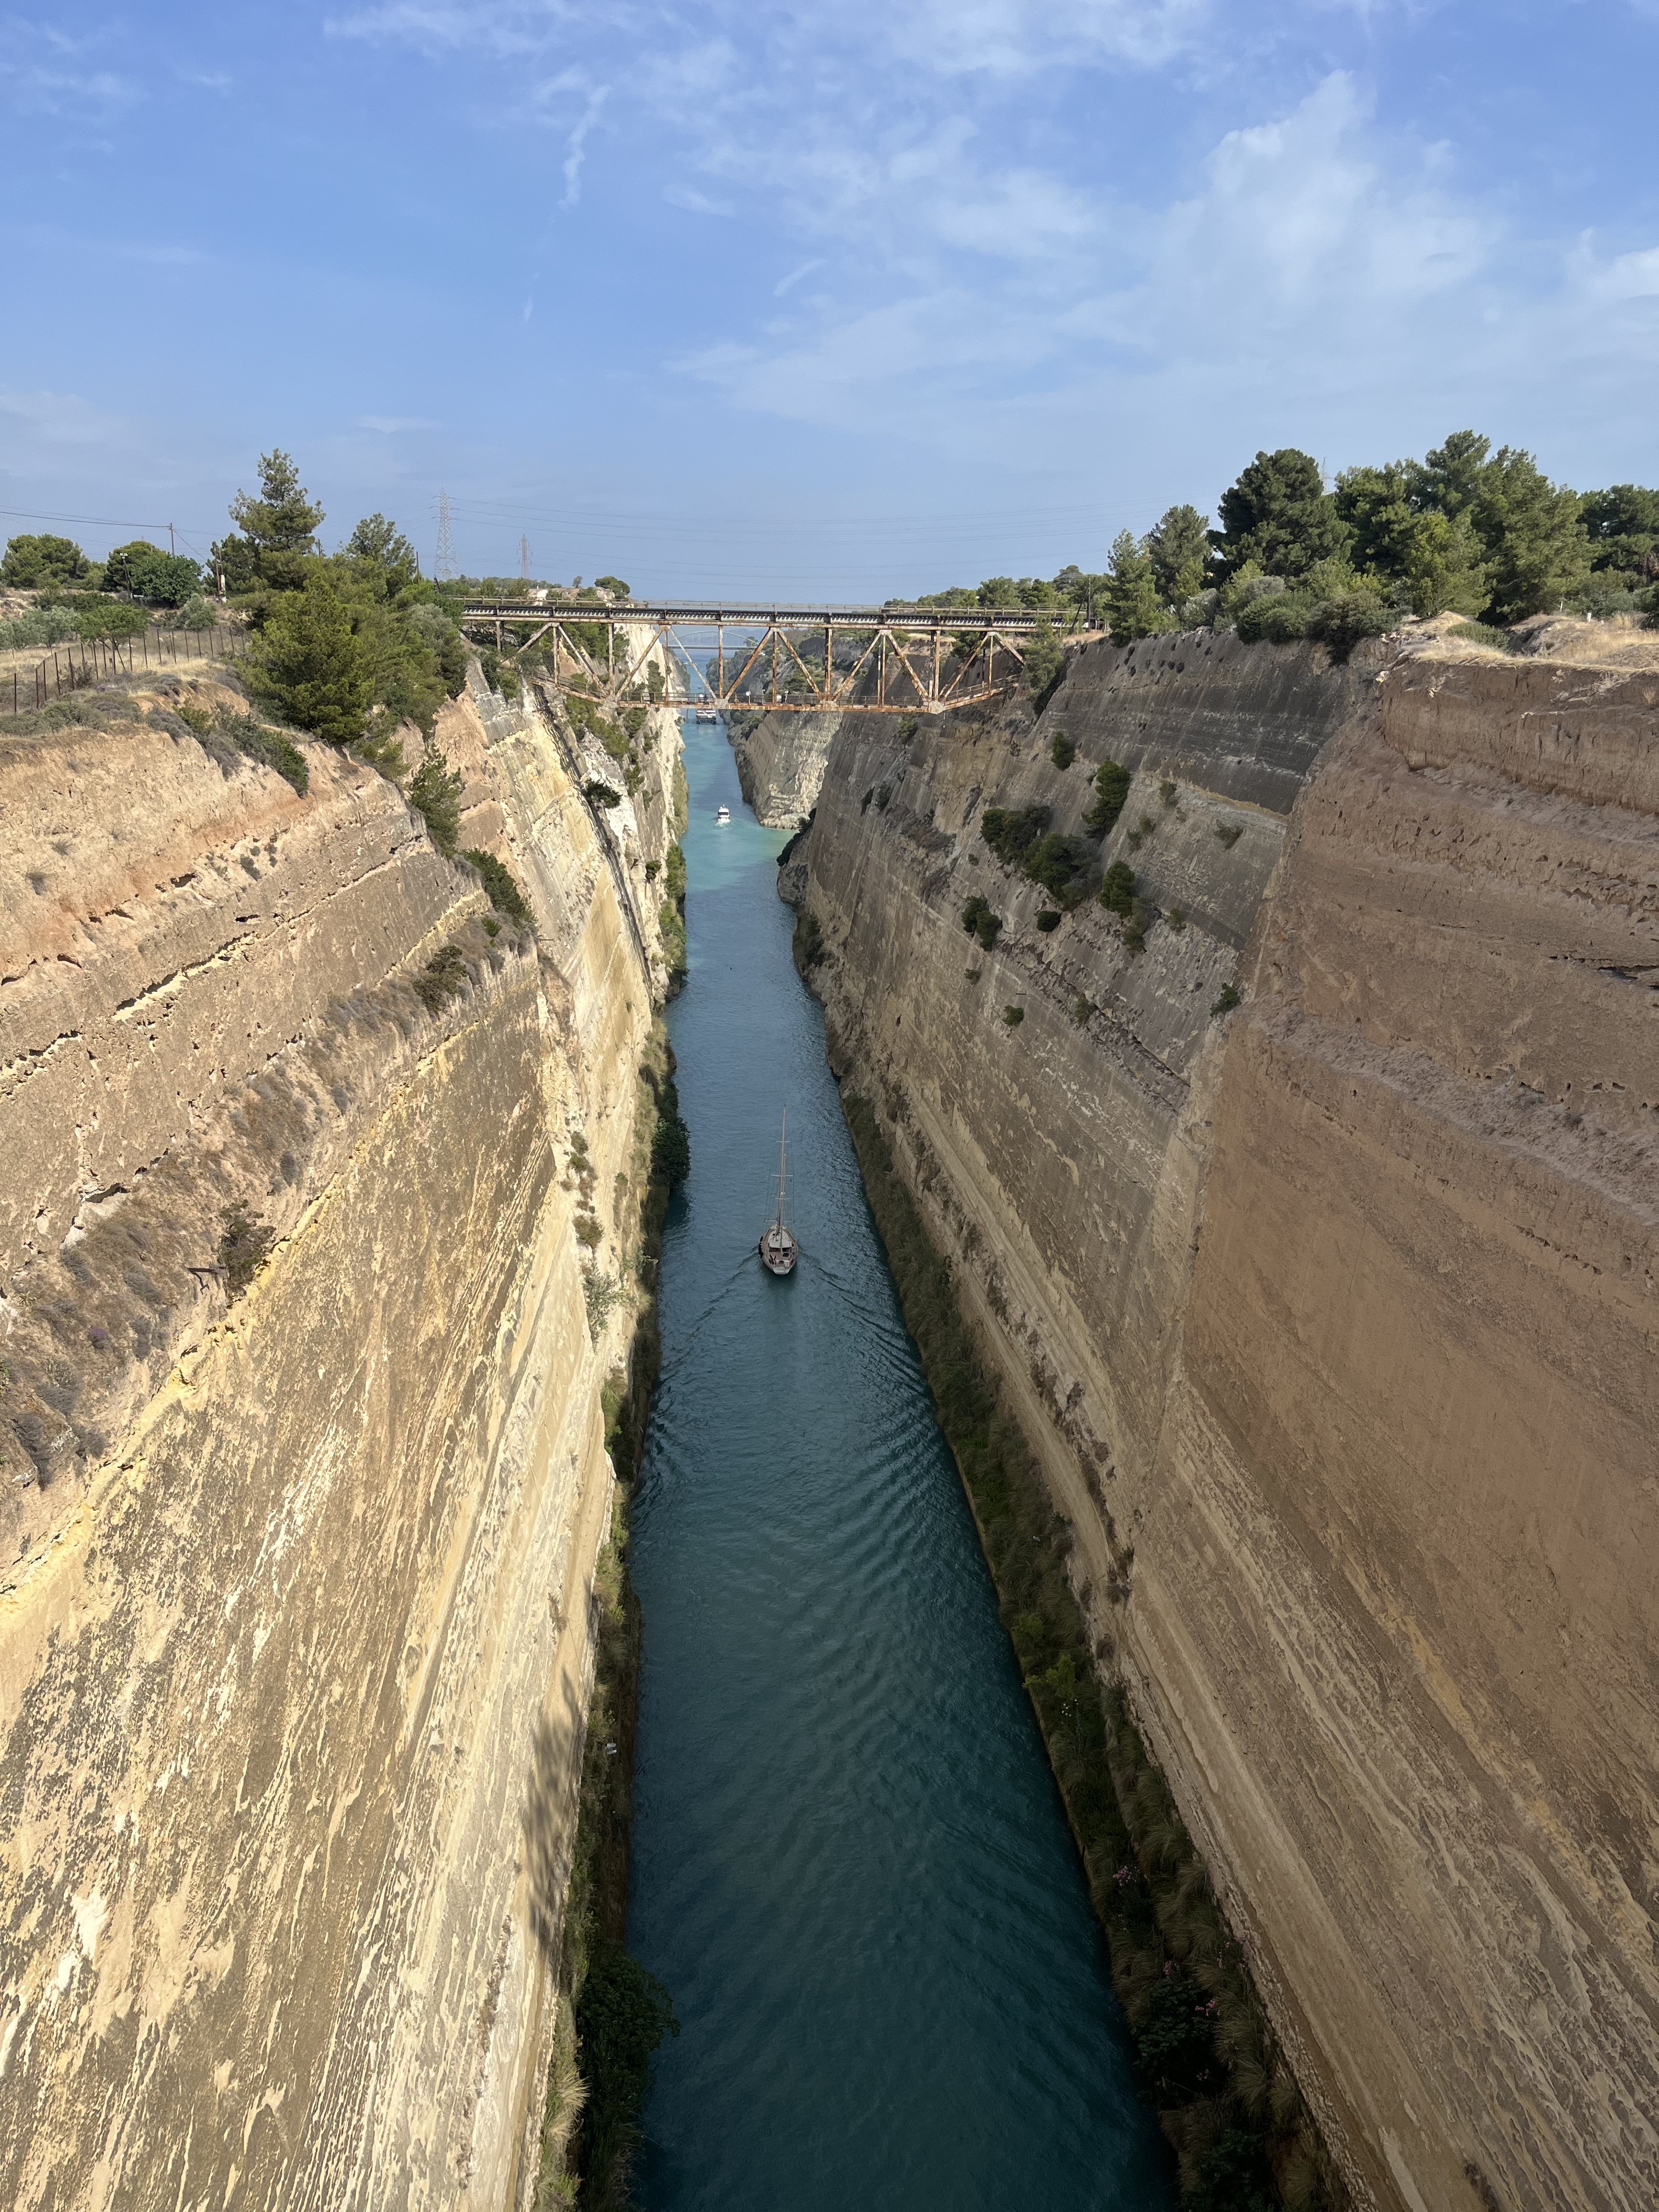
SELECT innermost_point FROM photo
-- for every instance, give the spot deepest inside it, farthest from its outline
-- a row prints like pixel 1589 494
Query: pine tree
pixel 1133 606
pixel 1279 515
pixel 307 666
pixel 1179 545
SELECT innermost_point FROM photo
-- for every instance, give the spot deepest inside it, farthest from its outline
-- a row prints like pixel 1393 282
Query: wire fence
pixel 81 662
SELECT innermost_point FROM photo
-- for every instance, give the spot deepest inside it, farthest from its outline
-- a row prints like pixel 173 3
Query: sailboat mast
pixel 782 1133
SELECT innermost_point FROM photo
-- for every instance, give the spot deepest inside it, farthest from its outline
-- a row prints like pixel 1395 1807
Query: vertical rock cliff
pixel 316 1169
pixel 1332 1320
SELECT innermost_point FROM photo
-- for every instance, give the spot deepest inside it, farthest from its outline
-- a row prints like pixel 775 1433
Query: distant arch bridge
pixel 922 658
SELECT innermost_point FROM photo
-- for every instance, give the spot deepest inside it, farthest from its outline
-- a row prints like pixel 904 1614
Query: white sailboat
pixel 778 1249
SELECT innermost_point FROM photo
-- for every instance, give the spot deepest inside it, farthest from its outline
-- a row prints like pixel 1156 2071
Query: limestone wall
pixel 781 762
pixel 293 1604
pixel 1334 1321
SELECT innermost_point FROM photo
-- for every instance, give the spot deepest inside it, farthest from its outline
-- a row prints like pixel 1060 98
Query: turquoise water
pixel 850 1867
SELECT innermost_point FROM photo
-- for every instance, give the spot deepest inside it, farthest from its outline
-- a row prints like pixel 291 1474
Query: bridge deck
pixel 711 614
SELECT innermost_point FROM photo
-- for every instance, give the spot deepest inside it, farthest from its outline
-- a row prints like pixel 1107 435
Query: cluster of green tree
pixel 1467 530
pixel 348 645
pixel 92 597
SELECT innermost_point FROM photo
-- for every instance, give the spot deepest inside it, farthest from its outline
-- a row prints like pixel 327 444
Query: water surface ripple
pixel 850 1865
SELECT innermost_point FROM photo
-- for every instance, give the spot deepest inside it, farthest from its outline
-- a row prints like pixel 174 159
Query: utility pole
pixel 444 566
pixel 172 547
pixel 524 559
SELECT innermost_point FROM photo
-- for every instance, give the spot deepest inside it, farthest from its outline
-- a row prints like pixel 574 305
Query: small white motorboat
pixel 707 715
pixel 778 1249
pixel 722 814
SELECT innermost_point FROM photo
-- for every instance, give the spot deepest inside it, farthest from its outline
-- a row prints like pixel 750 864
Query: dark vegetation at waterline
pixel 671 921
pixel 1205 2053
pixel 612 2013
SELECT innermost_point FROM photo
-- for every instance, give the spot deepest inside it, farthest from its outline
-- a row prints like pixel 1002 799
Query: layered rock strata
pixel 781 762
pixel 1332 1320
pixel 293 1611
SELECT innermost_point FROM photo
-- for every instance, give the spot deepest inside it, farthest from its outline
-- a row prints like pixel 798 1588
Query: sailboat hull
pixel 778 1250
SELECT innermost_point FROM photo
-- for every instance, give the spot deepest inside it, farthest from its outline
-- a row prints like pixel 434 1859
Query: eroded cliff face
pixel 294 1623
pixel 781 762
pixel 1332 1320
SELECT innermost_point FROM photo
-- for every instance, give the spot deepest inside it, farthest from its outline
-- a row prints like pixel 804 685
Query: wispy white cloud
pixel 394 426
pixel 45 71
pixel 786 284
pixel 576 141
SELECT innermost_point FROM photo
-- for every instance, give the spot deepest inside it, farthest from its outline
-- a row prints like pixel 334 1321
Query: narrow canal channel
pixel 850 1867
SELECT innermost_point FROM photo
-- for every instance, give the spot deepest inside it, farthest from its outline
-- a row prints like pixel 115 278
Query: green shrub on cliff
pixel 1010 832
pixel 979 921
pixel 1117 892
pixel 443 978
pixel 243 1244
pixel 1111 790
pixel 670 1149
pixel 503 886
pixel 435 793
pixel 1061 866
pixel 268 747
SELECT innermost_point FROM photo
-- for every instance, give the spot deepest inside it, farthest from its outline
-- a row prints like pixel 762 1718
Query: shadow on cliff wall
pixel 550 1825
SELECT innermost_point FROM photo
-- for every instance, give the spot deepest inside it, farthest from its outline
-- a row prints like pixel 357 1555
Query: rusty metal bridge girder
pixel 905 643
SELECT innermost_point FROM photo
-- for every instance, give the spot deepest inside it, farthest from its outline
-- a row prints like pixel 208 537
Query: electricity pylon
pixel 444 566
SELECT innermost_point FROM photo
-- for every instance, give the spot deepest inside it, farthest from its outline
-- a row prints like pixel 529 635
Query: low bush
pixel 1112 790
pixel 268 747
pixel 1343 622
pixel 1230 997
pixel 443 978
pixel 1049 920
pixel 623 2014
pixel 40 626
pixel 1062 753
pixel 979 921
pixel 1013 1016
pixel 1229 833
pixel 1011 832
pixel 244 1243
pixel 671 1144
pixel 118 618
pixel 503 886
pixel 601 794
pixel 1060 864
pixel 1275 618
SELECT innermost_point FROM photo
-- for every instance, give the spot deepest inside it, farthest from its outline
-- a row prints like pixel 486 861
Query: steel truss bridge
pixel 922 658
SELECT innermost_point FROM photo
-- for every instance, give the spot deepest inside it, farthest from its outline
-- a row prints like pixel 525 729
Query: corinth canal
pixel 851 1865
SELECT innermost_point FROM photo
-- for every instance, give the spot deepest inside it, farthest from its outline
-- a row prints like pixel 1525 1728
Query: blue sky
pixel 839 297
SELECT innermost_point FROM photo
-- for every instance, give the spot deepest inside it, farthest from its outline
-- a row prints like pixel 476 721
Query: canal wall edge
pixel 1347 1423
